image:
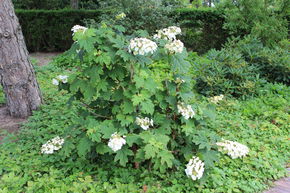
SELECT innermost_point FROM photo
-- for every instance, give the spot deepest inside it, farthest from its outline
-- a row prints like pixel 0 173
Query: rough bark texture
pixel 16 71
pixel 74 4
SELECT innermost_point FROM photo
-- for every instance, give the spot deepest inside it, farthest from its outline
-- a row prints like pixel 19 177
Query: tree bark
pixel 74 4
pixel 17 75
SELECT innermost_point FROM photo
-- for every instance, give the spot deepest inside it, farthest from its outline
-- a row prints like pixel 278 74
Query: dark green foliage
pixel 265 19
pixel 203 28
pixel 65 60
pixel 50 30
pixel 54 4
pixel 149 15
pixel 273 63
pixel 225 72
pixel 43 4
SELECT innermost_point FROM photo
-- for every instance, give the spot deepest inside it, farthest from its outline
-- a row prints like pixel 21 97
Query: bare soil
pixel 8 123
pixel 43 58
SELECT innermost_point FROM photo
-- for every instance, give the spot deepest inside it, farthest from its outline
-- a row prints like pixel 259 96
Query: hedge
pixel 49 30
pixel 203 28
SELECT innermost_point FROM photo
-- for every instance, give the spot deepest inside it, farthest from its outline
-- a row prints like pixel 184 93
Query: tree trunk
pixel 74 4
pixel 16 71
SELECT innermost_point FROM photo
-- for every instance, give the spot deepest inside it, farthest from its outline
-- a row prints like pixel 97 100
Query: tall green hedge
pixel 203 28
pixel 49 30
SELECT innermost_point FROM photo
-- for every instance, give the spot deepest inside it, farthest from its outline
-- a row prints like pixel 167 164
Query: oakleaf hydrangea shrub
pixel 133 110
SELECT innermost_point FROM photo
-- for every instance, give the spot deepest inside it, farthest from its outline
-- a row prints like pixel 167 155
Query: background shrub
pixel 265 19
pixel 50 30
pixel 149 15
pixel 225 72
pixel 203 28
pixel 273 63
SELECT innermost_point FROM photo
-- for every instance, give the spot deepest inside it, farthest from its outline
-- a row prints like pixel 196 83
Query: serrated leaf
pixel 127 107
pixel 122 156
pixel 102 148
pixel 132 138
pixel 209 157
pixel 166 158
pixel 107 128
pixel 150 151
pixel 84 146
pixel 147 107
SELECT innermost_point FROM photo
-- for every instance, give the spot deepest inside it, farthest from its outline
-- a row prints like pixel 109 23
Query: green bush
pixel 225 72
pixel 149 15
pixel 65 60
pixel 273 63
pixel 44 4
pixel 54 4
pixel 203 28
pixel 117 87
pixel 50 30
pixel 260 18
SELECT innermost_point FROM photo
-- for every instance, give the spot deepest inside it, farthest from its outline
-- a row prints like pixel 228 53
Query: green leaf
pixel 179 64
pixel 166 158
pixel 125 120
pixel 147 107
pixel 122 156
pixel 107 128
pixel 132 138
pixel 209 157
pixel 84 146
pixel 102 148
pixel 150 151
pixel 127 107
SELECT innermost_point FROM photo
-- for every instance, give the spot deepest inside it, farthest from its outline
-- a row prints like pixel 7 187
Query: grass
pixel 260 123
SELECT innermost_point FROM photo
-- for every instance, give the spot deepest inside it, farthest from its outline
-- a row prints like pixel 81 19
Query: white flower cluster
pixel 144 123
pixel 179 81
pixel 142 46
pixel 194 168
pixel 78 28
pixel 120 16
pixel 216 99
pixel 60 78
pixel 116 142
pixel 52 145
pixel 168 33
pixel 185 110
pixel 174 47
pixel 233 149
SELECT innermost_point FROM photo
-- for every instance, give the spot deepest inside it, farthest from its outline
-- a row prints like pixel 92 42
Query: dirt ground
pixel 43 58
pixel 8 123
